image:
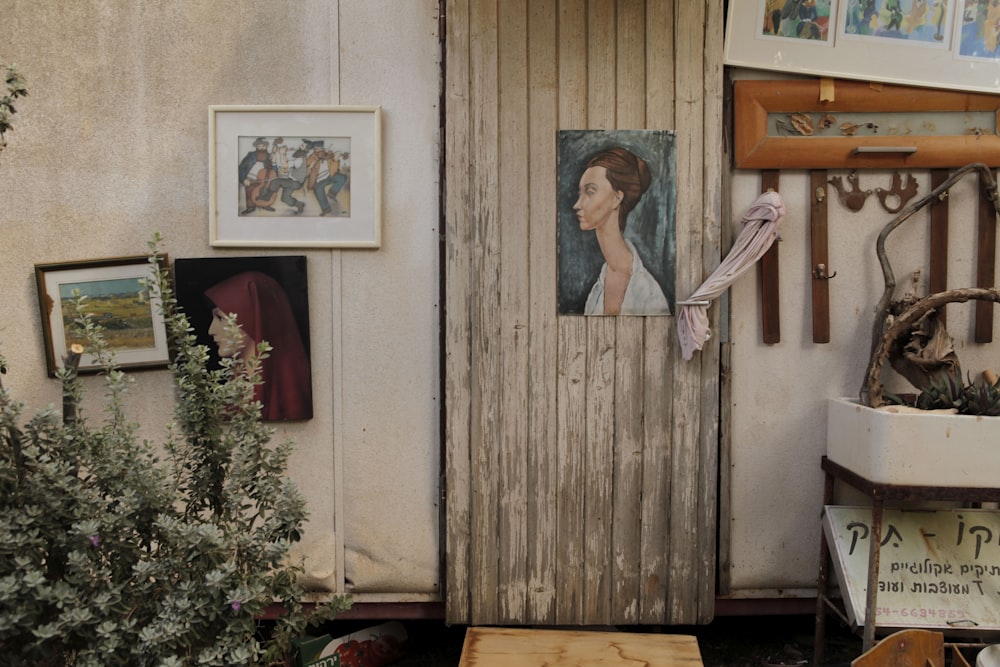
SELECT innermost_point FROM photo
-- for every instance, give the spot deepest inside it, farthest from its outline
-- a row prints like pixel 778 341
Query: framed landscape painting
pixel 115 293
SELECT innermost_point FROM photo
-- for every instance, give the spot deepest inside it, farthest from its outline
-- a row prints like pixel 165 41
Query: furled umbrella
pixel 759 230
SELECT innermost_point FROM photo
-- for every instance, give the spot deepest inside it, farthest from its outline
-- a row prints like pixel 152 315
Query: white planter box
pixel 916 448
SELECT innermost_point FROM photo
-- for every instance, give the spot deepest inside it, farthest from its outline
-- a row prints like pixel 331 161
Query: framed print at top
pixel 932 43
pixel 283 176
pixel 116 294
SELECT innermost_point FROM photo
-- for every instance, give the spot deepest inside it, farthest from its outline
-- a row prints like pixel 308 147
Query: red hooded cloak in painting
pixel 263 312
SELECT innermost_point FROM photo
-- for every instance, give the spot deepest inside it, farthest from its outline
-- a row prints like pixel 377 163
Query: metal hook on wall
pixel 901 189
pixel 820 273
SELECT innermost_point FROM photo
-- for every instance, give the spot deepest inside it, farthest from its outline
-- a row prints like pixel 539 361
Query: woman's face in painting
pixel 223 340
pixel 598 201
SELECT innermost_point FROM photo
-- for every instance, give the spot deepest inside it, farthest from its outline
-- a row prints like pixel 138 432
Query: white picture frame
pixel 340 207
pixel 928 48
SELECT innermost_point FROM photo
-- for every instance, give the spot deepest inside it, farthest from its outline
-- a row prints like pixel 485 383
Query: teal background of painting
pixel 650 225
pixel 102 287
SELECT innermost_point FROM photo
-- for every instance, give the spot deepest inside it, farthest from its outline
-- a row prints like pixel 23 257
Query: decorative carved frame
pixel 754 148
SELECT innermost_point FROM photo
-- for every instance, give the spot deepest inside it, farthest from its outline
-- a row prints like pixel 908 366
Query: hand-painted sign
pixel 937 568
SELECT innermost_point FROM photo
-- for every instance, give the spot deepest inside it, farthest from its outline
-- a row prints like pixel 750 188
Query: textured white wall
pixel 112 145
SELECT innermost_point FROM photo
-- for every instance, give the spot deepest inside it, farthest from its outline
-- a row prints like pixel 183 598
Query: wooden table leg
pixel 874 553
pixel 822 580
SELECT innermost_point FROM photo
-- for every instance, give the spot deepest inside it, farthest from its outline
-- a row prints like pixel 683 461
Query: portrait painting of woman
pixel 268 298
pixel 616 251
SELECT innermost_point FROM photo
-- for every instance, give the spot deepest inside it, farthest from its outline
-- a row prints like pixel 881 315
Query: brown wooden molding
pixel 755 148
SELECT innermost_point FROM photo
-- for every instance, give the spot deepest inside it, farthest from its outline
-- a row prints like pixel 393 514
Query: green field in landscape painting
pixel 127 320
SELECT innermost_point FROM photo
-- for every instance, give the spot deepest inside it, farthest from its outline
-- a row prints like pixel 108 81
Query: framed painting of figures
pixel 295 176
pixel 951 44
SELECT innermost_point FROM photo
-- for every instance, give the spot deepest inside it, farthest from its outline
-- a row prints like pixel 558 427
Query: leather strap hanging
pixel 818 241
pixel 986 253
pixel 938 278
pixel 769 309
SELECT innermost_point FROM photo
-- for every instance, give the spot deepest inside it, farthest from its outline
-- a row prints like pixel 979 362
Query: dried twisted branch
pixel 886 331
pixel 871 391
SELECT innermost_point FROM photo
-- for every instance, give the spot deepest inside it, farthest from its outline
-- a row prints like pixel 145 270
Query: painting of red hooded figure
pixel 263 313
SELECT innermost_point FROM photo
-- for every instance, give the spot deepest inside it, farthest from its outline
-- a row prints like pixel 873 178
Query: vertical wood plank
pixel 938 278
pixel 724 483
pixel 658 338
pixel 712 168
pixel 770 307
pixel 630 59
pixel 599 462
pixel 627 472
pixel 683 587
pixel 542 453
pixel 486 417
pixel 598 510
pixel 458 330
pixel 601 64
pixel 660 74
pixel 986 258
pixel 657 453
pixel 818 241
pixel 571 349
pixel 571 442
pixel 512 184
pixel 630 82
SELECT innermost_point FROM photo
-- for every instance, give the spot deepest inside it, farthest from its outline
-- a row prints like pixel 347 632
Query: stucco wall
pixel 112 145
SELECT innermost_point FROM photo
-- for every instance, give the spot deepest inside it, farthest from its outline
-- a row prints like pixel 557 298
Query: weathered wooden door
pixel 581 452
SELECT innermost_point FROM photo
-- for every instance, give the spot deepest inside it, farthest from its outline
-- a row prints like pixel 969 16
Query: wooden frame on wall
pixel 760 105
pixel 116 292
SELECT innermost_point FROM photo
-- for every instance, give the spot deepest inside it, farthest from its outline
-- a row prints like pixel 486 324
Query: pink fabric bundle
pixel 760 229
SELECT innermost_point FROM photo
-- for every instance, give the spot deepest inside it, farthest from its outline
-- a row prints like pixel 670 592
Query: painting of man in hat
pixel 256 171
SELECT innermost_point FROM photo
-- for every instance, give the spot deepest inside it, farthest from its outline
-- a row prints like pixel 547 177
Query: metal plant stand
pixel 880 494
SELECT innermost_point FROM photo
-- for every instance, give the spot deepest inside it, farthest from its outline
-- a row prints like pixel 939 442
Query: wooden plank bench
pixel 502 647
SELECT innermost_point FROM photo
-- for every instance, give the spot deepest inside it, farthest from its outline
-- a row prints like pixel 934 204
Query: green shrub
pixel 114 551
pixel 14 85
